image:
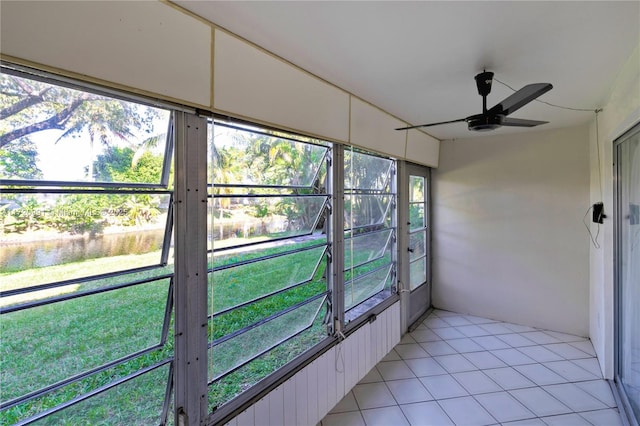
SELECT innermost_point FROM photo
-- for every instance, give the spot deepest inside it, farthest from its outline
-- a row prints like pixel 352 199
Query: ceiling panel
pixel 417 60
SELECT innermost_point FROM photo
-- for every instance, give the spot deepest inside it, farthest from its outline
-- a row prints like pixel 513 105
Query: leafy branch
pixel 56 121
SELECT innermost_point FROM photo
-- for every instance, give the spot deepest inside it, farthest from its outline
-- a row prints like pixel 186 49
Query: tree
pixel 365 173
pixel 125 129
pixel 126 165
pixel 29 106
pixel 19 161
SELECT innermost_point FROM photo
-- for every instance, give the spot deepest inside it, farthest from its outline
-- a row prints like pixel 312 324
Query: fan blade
pixel 432 124
pixel 520 98
pixel 518 122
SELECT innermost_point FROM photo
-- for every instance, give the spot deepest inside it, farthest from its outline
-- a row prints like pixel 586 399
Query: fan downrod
pixel 483 82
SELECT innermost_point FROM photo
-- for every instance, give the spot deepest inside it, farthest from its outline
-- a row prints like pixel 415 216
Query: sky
pixel 67 159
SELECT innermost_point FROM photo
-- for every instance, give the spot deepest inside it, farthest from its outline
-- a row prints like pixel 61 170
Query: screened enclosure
pixel 87 274
pixel 268 254
pixel 96 294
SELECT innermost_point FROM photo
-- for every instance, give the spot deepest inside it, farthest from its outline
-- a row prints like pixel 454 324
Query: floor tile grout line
pixel 533 363
pixel 445 411
pixel 396 400
pixel 548 393
pixel 594 396
pixel 485 408
pixel 570 359
pixel 536 345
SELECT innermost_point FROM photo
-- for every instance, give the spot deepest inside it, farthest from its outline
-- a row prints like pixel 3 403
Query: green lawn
pixel 42 345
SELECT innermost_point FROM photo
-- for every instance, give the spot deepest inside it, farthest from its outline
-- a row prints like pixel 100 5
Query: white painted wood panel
pixel 246 418
pixel 332 391
pixel 145 45
pixel 254 84
pixel 312 390
pixel 355 350
pixel 276 406
pixel 373 353
pixel 348 366
pixel 373 129
pixel 382 342
pixel 368 359
pixel 340 369
pixel 301 397
pixel 261 411
pixel 311 393
pixel 362 353
pixel 422 148
pixel 290 402
pixel 323 383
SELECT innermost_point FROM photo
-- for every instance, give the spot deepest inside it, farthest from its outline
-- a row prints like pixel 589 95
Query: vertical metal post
pixel 402 232
pixel 429 222
pixel 190 292
pixel 393 188
pixel 336 236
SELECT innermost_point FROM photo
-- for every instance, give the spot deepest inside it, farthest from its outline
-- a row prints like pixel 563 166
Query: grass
pixel 43 345
pixel 51 274
pixel 230 386
pixel 136 402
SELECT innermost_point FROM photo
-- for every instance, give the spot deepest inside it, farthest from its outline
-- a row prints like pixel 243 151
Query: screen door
pixel 418 249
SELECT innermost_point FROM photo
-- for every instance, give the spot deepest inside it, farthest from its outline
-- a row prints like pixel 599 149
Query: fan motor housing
pixel 483 123
pixel 483 82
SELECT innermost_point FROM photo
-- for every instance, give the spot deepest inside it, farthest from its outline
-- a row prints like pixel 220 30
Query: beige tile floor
pixel 464 370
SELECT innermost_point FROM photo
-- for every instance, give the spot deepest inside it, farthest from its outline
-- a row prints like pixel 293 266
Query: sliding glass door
pixel 627 271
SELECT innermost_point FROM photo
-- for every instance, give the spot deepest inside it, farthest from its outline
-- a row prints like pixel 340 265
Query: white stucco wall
pixel 509 242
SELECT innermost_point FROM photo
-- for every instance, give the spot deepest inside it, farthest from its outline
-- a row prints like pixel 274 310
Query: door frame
pixel 424 291
pixel 625 407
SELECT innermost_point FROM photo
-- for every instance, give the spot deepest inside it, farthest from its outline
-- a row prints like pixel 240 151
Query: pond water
pixel 21 256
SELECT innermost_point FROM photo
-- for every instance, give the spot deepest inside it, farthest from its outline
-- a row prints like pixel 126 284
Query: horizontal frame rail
pixel 275 345
pixel 74 189
pixel 263 133
pixel 94 392
pixel 40 392
pixel 257 243
pixel 76 295
pixel 265 320
pixel 267 257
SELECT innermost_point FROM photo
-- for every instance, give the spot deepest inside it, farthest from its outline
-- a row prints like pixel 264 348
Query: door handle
pixel 410 250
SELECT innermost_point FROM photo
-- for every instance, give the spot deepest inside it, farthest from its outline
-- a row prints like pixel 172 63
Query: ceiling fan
pixel 496 117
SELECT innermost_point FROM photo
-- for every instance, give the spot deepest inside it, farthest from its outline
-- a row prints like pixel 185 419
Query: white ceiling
pixel 417 60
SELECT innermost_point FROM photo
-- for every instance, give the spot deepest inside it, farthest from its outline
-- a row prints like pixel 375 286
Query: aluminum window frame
pixel 288 191
pixel 364 307
pixel 83 397
pixel 5 405
pixel 43 77
pixel 22 186
pixel 276 292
